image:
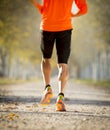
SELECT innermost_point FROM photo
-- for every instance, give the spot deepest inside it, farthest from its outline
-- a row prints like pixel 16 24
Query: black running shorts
pixel 63 44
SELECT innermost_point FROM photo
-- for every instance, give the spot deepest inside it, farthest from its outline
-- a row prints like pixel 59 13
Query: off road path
pixel 88 107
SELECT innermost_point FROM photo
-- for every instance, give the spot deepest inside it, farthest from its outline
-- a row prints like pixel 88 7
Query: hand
pixel 32 1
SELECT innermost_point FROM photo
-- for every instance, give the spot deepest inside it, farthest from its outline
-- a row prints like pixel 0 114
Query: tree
pixel 16 32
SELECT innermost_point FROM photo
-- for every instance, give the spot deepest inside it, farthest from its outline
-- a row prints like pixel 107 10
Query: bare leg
pixel 63 76
pixel 46 71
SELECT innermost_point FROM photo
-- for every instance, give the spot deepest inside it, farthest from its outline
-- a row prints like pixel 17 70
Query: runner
pixel 56 28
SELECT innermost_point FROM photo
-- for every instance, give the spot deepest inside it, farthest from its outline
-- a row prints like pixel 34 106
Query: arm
pixel 36 4
pixel 82 6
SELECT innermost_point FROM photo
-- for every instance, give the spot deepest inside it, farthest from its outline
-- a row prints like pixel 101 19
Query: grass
pixel 7 81
pixel 93 82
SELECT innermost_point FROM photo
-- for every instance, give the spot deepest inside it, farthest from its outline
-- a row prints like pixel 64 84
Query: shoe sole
pixel 47 100
pixel 59 107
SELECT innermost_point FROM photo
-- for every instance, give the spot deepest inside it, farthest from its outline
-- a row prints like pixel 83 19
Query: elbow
pixel 39 7
pixel 41 11
pixel 84 10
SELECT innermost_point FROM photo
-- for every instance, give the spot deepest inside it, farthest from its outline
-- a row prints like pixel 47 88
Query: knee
pixel 46 62
pixel 63 72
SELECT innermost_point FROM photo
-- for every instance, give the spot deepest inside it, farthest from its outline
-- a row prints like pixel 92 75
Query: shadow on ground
pixel 25 99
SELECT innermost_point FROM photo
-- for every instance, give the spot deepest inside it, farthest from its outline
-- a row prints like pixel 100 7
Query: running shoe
pixel 60 106
pixel 47 95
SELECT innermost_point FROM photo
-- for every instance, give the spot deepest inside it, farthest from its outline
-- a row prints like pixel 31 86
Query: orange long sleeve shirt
pixel 56 14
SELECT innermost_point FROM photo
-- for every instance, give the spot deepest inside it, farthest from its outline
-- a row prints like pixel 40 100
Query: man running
pixel 56 26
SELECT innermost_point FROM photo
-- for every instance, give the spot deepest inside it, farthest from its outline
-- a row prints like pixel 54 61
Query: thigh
pixel 63 46
pixel 47 43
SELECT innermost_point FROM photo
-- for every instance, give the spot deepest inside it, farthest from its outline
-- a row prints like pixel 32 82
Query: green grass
pixel 6 81
pixel 95 83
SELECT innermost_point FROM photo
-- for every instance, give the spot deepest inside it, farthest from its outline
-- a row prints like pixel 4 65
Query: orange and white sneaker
pixel 47 95
pixel 60 106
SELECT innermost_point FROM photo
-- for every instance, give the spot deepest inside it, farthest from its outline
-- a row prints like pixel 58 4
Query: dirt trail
pixel 88 108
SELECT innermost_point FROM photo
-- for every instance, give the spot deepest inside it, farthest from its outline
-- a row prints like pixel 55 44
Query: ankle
pixel 48 87
pixel 60 96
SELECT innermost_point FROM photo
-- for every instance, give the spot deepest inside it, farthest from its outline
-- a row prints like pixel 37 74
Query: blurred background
pixel 20 53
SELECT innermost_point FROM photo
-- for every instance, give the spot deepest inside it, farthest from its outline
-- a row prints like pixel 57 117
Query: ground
pixel 88 107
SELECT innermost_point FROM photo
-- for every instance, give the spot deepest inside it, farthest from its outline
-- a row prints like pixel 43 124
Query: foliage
pixel 91 32
pixel 16 29
pixel 20 34
pixel 94 83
